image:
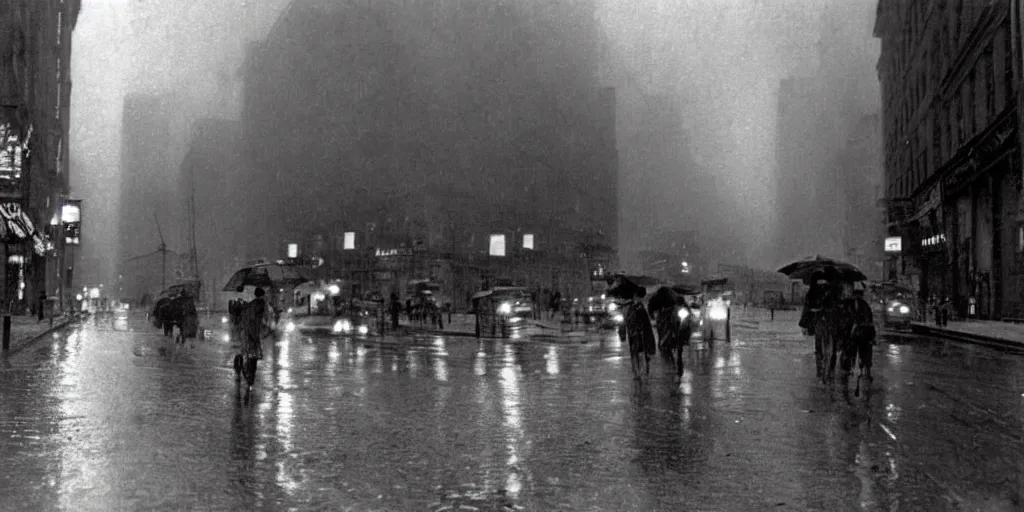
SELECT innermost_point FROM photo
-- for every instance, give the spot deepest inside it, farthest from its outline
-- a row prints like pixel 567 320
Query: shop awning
pixel 16 226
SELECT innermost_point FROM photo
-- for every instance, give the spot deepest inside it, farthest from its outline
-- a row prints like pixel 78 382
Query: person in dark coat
pixel 639 333
pixel 254 326
pixel 42 306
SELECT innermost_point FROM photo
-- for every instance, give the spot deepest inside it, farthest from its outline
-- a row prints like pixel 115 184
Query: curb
pixel 29 341
pixel 974 339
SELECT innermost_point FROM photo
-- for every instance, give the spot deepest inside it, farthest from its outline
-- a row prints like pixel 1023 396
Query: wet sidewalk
pixel 982 332
pixel 25 329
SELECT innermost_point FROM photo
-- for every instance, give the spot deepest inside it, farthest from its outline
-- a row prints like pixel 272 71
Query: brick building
pixel 950 80
pixel 35 92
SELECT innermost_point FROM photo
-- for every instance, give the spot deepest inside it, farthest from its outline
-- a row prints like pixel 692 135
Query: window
pixel 971 113
pixel 960 127
pixel 989 81
pixel 60 26
pixel 1007 67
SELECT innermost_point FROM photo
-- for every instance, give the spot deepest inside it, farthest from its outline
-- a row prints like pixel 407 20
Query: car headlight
pixel 223 319
pixel 363 329
pixel 226 337
pixel 342 326
pixel 904 310
pixel 505 308
pixel 289 327
pixel 618 318
pixel 683 313
pixel 613 307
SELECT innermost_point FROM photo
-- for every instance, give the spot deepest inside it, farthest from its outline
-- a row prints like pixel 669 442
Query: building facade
pixel 425 139
pixel 952 174
pixel 35 92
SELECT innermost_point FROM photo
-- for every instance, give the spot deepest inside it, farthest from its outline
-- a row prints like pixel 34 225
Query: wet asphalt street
pixel 94 419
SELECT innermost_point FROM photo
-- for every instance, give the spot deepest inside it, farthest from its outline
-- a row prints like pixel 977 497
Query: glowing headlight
pixel 342 326
pixel 223 319
pixel 904 310
pixel 613 307
pixel 505 308
pixel 618 318
pixel 363 329
pixel 289 327
pixel 718 312
pixel 226 337
pixel 683 314
pixel 289 311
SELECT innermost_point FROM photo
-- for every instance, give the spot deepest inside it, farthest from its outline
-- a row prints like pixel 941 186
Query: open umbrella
pixel 265 276
pixel 840 270
pixel 626 287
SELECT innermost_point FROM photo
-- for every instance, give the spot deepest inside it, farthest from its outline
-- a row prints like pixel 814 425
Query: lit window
pixel 528 241
pixel 60 25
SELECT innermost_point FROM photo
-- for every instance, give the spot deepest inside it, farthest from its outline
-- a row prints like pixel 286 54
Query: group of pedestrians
pixel 836 314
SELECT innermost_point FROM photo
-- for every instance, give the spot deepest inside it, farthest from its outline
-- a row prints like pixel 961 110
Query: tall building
pixel 150 211
pixel 354 113
pixel 35 88
pixel 859 166
pixel 952 171
pixel 818 113
pixel 214 237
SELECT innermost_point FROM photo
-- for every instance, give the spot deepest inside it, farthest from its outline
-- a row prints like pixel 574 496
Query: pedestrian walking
pixel 42 306
pixel 253 321
pixel 395 309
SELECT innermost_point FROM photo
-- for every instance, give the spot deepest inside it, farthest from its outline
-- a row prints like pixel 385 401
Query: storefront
pixel 980 196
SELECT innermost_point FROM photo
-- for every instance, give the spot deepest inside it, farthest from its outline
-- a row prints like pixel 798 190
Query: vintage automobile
pixel 501 310
pixel 320 309
pixel 893 306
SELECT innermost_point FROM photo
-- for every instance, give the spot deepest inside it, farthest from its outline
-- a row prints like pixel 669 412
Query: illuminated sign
pixel 528 241
pixel 350 240
pixel 497 247
pixel 14 149
pixel 933 240
pixel 893 244
pixel 71 217
pixel 293 250
pixel 70 213
pixel 380 253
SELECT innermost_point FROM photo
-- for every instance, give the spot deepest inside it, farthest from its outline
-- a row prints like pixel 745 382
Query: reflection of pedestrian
pixel 396 309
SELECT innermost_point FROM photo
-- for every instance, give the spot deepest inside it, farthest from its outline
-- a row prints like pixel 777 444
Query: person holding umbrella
pixel 636 327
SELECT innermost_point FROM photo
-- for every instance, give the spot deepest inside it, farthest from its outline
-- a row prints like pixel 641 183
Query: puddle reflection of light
pixel 894 354
pixel 378 364
pixel 480 364
pixel 892 413
pixel 441 368
pixel 735 364
pixel 282 359
pixel 285 417
pixel 686 386
pixel 284 378
pixel 893 474
pixel 867 483
pixel 719 362
pixel 552 358
pixel 414 362
pixel 333 354
pixel 510 405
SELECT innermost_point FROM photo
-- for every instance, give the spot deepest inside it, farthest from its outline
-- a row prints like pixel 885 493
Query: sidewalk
pixel 26 329
pixel 981 332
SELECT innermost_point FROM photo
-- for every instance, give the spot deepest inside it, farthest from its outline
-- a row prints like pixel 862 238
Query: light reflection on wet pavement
pixel 103 420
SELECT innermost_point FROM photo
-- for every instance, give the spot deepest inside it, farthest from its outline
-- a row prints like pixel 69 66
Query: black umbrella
pixel 625 287
pixel 835 270
pixel 265 276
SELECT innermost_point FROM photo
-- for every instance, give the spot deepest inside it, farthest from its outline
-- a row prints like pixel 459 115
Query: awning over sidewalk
pixel 16 226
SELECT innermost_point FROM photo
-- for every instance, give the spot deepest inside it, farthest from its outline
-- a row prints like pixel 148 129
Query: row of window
pixel 914 152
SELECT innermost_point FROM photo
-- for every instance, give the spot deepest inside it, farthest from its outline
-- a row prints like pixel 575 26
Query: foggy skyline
pixel 719 62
